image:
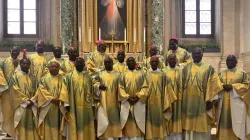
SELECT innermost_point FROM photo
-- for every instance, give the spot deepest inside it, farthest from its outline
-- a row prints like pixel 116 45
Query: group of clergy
pixel 171 97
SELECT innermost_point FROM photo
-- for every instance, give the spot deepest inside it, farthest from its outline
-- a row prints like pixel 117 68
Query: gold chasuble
pixel 182 56
pixel 108 117
pixel 8 69
pixel 133 117
pixel 175 80
pixel 120 67
pixel 233 107
pixel 50 115
pixel 200 85
pixel 38 64
pixel 23 88
pixel 80 117
pixel 95 62
pixel 160 98
pixel 68 66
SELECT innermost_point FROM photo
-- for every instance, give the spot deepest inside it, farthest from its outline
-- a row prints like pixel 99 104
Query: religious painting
pixel 112 17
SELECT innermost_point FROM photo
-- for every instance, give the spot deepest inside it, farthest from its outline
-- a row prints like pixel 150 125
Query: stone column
pixel 156 23
pixel 67 22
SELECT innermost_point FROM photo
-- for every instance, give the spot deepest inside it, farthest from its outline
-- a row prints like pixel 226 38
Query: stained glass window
pixel 198 18
pixel 21 17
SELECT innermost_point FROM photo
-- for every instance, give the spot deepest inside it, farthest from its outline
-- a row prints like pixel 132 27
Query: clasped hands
pixel 228 87
pixel 133 100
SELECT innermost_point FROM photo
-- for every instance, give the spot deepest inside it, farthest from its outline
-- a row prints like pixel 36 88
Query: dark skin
pixel 73 54
pixel 121 56
pixel 131 66
pixel 173 44
pixel 154 62
pixel 25 66
pixel 108 63
pixel 40 46
pixel 79 64
pixel 102 48
pixel 231 64
pixel 54 68
pixel 14 54
pixel 153 51
pixel 197 55
pixel 57 51
pixel 172 60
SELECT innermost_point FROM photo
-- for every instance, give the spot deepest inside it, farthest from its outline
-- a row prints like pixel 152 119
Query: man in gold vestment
pixel 120 66
pixel 96 59
pixel 23 88
pixel 201 85
pixel 174 73
pixel 49 97
pixel 57 52
pixel 8 66
pixel 160 98
pixel 153 52
pixel 133 91
pixel 80 99
pixel 69 64
pixel 108 117
pixel 39 60
pixel 233 106
pixel 182 55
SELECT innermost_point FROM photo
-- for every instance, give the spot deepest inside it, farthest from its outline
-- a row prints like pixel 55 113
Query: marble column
pixel 156 28
pixel 67 22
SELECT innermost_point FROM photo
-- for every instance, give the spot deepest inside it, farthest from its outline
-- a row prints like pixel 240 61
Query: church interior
pixel 219 27
pixel 224 26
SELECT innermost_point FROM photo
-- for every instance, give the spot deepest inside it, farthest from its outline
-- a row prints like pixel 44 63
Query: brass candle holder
pixel 112 33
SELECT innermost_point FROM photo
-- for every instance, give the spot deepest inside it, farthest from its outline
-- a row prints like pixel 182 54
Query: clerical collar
pixel 58 58
pixel 151 70
pixel 233 69
pixel 175 50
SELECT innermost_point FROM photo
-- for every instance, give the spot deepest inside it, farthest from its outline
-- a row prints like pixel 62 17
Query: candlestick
pixel 134 35
pixel 89 39
pixel 144 35
pixel 100 34
pixel 125 35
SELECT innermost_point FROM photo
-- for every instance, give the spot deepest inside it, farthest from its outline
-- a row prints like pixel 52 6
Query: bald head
pixel 154 62
pixel 54 67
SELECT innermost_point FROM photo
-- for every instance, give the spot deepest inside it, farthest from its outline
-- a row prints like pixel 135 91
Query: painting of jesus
pixel 112 17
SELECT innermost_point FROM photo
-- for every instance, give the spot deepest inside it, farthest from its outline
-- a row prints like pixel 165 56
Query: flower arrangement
pixel 138 66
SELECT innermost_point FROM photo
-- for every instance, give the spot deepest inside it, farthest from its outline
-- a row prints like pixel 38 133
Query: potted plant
pixel 208 47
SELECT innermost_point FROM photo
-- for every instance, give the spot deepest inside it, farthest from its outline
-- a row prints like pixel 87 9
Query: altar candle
pixel 99 33
pixel 125 35
pixel 89 34
pixel 134 35
pixel 144 35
